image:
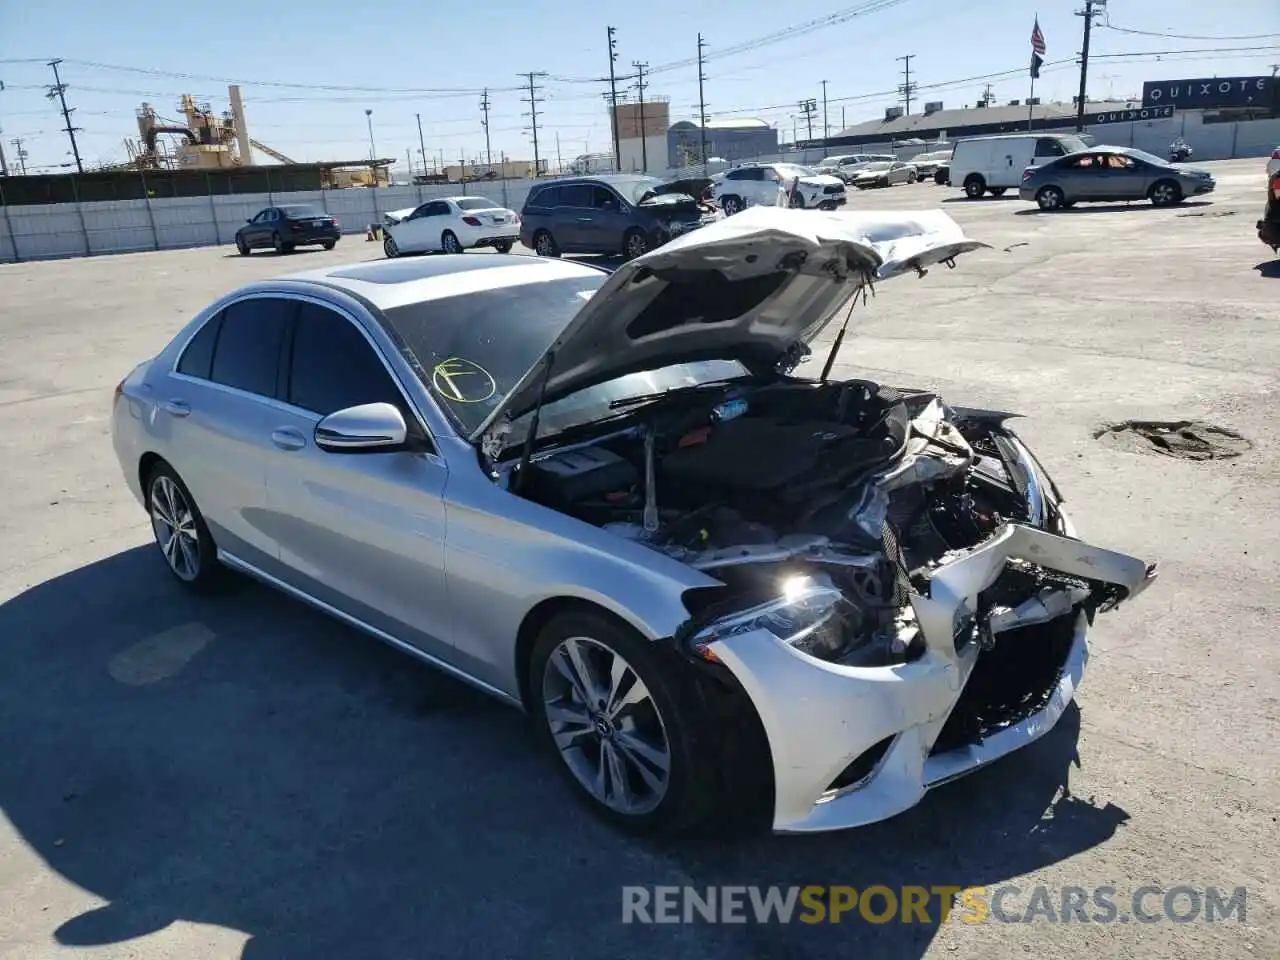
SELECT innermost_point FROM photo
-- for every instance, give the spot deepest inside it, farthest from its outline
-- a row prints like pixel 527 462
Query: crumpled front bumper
pixel 819 717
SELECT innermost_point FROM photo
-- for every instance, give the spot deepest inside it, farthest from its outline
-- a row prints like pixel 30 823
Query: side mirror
pixel 249 220
pixel 370 426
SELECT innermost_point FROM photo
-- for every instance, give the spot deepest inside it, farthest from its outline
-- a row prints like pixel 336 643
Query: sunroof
pixel 423 268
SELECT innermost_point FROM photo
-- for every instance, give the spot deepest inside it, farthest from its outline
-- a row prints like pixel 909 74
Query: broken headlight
pixel 809 613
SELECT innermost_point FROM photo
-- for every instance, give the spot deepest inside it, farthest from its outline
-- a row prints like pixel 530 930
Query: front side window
pixel 1049 147
pixel 247 353
pixel 334 367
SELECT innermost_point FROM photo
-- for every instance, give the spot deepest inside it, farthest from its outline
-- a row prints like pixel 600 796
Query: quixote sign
pixel 1213 92
pixel 1133 115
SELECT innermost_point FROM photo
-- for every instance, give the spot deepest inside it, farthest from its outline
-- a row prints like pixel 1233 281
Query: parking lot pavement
pixel 241 776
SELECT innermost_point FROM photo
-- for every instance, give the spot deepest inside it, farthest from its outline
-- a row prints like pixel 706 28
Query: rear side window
pixel 247 354
pixel 578 195
pixel 197 358
pixel 334 366
pixel 548 198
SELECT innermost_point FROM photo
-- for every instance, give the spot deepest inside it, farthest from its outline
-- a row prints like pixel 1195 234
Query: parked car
pixel 1112 174
pixel 452 225
pixel 884 174
pixel 612 502
pixel 928 164
pixel 391 217
pixel 1273 165
pixel 994 164
pixel 618 214
pixel 288 227
pixel 847 165
pixel 758 184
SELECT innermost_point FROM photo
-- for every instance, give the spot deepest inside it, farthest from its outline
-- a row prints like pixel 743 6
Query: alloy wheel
pixel 1050 198
pixel 450 243
pixel 636 246
pixel 389 247
pixel 544 246
pixel 1164 193
pixel 606 726
pixel 174 524
pixel 730 205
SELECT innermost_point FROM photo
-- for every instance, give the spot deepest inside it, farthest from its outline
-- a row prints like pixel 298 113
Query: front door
pixel 603 231
pixel 363 532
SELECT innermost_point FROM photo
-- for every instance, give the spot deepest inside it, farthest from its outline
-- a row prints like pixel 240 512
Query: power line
pixel 908 89
pixel 1184 36
pixel 59 90
pixel 533 102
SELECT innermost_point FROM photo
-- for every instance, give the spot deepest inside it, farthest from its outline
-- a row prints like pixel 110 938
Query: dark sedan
pixel 1109 175
pixel 285 228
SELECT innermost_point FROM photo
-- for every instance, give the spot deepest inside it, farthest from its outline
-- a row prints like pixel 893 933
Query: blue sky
pixel 434 59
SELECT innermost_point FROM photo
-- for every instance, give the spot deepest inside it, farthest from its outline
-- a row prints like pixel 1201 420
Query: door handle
pixel 287 438
pixel 176 408
pixel 584 219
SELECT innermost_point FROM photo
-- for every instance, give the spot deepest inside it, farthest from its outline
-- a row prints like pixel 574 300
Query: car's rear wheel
pixel 503 246
pixel 974 186
pixel 544 245
pixel 624 720
pixel 634 244
pixel 941 178
pixel 1050 198
pixel 730 205
pixel 329 244
pixel 389 246
pixel 449 242
pixel 180 531
pixel 1164 193
pixel 242 247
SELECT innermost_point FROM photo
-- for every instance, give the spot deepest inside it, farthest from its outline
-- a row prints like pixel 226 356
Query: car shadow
pixel 985 198
pixel 1269 268
pixel 1112 207
pixel 243 761
pixel 264 252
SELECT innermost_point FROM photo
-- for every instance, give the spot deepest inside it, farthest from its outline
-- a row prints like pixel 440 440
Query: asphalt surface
pixel 242 777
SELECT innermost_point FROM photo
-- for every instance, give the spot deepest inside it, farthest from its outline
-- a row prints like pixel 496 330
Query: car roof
pixel 394 283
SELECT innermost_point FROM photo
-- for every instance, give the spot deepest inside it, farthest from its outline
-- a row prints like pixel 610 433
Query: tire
pixel 634 244
pixel 389 247
pixel 912 176
pixel 242 247
pixel 449 242
pixel 277 244
pixel 1050 199
pixel 974 186
pixel 329 244
pixel 795 202
pixel 652 720
pixel 1164 193
pixel 503 246
pixel 997 191
pixel 544 245
pixel 730 205
pixel 941 178
pixel 181 534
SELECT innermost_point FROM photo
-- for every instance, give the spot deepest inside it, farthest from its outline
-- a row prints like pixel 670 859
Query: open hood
pixel 749 287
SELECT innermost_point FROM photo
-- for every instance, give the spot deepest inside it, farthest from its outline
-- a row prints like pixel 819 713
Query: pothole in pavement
pixel 1183 439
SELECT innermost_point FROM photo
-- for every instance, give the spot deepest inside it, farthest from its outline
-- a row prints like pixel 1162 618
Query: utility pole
pixel 809 108
pixel 21 155
pixel 702 104
pixel 422 145
pixel 613 99
pixel 488 152
pixel 987 96
pixel 908 89
pixel 644 140
pixel 59 90
pixel 533 102
pixel 1088 13
pixel 826 128
pixel 373 151
pixel 559 157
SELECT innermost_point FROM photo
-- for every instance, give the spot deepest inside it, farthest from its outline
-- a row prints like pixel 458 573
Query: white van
pixel 995 164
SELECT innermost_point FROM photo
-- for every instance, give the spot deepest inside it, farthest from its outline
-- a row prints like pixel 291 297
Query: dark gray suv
pixel 617 214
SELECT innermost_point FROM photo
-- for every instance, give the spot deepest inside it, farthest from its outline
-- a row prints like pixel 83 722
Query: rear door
pixel 216 405
pixel 364 532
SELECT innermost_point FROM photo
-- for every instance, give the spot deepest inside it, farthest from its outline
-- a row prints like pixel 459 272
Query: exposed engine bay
pixel 853 486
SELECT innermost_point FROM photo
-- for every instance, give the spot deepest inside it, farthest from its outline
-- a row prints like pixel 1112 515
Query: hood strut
pixel 835 347
pixel 526 453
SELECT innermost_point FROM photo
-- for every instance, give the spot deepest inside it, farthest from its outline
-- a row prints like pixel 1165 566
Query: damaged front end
pixel 957 634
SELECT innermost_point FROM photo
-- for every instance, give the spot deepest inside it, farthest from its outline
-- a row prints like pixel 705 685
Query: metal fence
pixel 55 230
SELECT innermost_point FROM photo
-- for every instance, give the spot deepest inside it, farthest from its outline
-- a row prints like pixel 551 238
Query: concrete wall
pixel 46 231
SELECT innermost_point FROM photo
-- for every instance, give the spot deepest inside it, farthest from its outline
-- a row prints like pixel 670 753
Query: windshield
pixel 300 211
pixel 789 170
pixel 475 203
pixel 593 403
pixel 634 190
pixel 469 350
pixel 1147 157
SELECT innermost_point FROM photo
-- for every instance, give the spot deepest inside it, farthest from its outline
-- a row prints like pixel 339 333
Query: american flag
pixel 1037 39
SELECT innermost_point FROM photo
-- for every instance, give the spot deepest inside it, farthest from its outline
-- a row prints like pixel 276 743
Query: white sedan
pixel 452 224
pixel 1273 165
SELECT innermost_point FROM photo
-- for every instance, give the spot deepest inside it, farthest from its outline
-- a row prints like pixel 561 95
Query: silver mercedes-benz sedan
pixel 614 502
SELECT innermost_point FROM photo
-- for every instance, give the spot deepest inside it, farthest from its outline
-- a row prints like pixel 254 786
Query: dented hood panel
pixel 823 259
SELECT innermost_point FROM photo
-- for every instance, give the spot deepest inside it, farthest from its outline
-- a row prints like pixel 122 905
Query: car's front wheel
pixel 180 531
pixel 242 246
pixel 624 720
pixel 730 205
pixel 635 244
pixel 389 246
pixel 1165 193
